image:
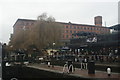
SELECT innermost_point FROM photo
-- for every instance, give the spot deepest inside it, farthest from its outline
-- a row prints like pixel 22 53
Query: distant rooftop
pixel 115 27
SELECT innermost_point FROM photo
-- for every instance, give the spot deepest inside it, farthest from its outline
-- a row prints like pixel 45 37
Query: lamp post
pixel 53 46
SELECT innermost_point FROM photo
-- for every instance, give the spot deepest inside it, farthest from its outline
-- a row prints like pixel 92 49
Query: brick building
pixel 69 28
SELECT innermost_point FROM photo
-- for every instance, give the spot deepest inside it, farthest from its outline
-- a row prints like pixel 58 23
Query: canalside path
pixel 78 72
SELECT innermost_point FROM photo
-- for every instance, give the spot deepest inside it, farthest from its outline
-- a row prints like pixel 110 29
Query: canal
pixel 27 73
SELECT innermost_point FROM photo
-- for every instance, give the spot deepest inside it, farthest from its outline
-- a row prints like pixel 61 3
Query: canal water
pixel 27 73
pixel 19 73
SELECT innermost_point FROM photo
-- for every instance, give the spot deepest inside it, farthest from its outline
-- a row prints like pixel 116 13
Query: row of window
pixel 71 31
pixel 26 23
pixel 68 36
pixel 85 28
pixel 67 31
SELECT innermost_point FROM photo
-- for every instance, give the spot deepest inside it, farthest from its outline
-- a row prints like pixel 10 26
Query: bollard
pixel 109 71
pixel 48 64
pixel 85 63
pixel 81 64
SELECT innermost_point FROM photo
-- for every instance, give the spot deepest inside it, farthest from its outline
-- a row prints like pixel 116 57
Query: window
pixel 70 27
pixel 78 27
pixel 87 28
pixel 70 31
pixel 84 28
pixel 74 31
pixel 91 28
pixel 66 26
pixel 74 27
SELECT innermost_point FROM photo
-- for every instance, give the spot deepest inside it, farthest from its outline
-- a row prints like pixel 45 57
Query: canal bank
pixel 98 66
pixel 78 72
pixel 37 71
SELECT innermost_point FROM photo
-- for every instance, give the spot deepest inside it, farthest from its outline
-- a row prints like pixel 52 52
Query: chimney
pixel 98 20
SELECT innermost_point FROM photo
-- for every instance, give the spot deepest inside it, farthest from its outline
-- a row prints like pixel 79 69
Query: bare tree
pixel 45 32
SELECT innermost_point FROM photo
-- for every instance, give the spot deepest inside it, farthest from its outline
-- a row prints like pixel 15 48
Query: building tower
pixel 98 20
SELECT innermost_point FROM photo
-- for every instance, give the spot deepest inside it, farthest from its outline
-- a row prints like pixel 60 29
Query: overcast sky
pixel 75 11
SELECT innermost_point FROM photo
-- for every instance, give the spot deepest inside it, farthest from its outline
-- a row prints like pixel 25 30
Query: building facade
pixel 68 29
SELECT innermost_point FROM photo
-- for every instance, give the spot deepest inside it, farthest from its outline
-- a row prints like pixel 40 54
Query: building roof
pixel 23 20
pixel 69 23
pixel 81 24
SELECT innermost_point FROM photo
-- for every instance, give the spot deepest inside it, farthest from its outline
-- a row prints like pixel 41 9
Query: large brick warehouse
pixel 68 29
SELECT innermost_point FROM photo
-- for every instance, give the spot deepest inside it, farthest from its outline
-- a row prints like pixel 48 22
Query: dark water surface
pixel 25 73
